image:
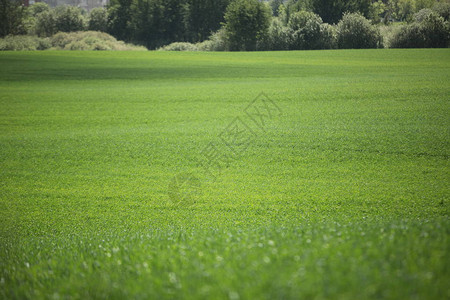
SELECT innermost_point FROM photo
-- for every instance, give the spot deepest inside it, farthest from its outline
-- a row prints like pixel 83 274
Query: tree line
pixel 240 24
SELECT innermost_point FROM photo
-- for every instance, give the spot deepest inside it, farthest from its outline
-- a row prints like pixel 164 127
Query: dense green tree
pixel 145 22
pixel 69 18
pixel 421 4
pixel 405 9
pixel 331 11
pixel 294 6
pixel 38 8
pixel 422 14
pixel 356 32
pixel 156 23
pixel 60 19
pixel 377 11
pixel 119 19
pixel 304 30
pixel 247 21
pixel 278 37
pixel 45 23
pixel 98 19
pixel 203 17
pixel 275 5
pixel 436 31
pixel 442 9
pixel 12 17
pixel 173 20
pixel 428 31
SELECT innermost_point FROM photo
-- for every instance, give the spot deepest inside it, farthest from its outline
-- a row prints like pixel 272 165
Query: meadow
pixel 343 195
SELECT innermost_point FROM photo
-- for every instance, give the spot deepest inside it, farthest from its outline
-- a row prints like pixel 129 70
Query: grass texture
pixel 342 194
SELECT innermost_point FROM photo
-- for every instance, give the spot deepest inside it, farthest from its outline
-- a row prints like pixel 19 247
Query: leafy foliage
pixel 247 21
pixel 202 17
pixel 89 40
pixel 429 31
pixel 331 11
pixel 277 38
pixel 12 15
pixel 328 36
pixel 98 19
pixel 68 18
pixel 304 29
pixel 442 9
pixel 37 8
pixel 82 40
pixel 24 42
pixel 119 19
pixel 223 25
pixel 60 19
pixel 179 46
pixel 377 11
pixel 356 32
pixel 218 41
pixel 45 24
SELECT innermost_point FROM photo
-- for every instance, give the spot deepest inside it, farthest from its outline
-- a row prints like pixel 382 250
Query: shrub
pixel 355 32
pixel 82 40
pixel 217 42
pixel 387 32
pixel 179 46
pixel 89 40
pixel 60 40
pixel 304 30
pixel 436 31
pixel 432 32
pixel 99 46
pixel 422 14
pixel 408 36
pixel 24 42
pixel 77 45
pixel 277 38
pixel 328 36
pixel 205 46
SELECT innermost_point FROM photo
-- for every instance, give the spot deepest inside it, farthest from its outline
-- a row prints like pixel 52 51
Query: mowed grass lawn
pixel 344 195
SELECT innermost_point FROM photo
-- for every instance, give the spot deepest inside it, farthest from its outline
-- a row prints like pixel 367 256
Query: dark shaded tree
pixel 12 17
pixel 119 19
pixel 156 23
pixel 275 5
pixel 294 6
pixel 173 20
pixel 331 11
pixel 203 17
pixel 247 21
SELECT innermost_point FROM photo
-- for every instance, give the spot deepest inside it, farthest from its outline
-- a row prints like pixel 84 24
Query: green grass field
pixel 343 195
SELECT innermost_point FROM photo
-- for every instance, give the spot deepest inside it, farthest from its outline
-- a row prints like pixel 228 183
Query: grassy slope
pixel 346 194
